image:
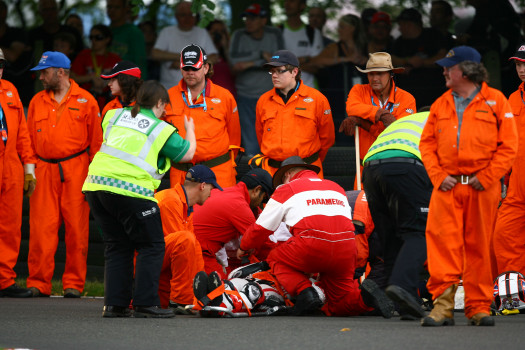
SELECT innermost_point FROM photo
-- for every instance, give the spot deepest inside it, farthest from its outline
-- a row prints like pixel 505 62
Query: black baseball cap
pixel 255 10
pixel 258 176
pixel 192 56
pixel 282 58
pixel 123 67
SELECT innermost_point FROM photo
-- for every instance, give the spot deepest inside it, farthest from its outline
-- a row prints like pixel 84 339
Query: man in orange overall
pixel 509 235
pixel 468 144
pixel 183 255
pixel 291 119
pixel 65 128
pixel 214 111
pixel 375 105
pixel 15 151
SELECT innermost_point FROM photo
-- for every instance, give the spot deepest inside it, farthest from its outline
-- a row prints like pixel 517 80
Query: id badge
pixel 4 135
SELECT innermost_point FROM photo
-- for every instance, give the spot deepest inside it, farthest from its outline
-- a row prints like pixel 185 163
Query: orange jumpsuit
pixel 13 153
pixel 302 127
pixel 113 104
pixel 217 130
pixel 362 102
pixel 461 220
pixel 362 214
pixel 183 255
pixel 509 235
pixel 69 129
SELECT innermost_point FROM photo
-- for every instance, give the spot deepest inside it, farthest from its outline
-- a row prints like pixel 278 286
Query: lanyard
pixel 190 105
pixel 389 106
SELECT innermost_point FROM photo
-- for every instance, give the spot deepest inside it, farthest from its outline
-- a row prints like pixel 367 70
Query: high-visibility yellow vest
pixel 404 134
pixel 127 161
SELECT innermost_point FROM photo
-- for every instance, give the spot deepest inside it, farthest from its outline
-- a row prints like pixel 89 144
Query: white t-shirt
pixel 298 42
pixel 173 39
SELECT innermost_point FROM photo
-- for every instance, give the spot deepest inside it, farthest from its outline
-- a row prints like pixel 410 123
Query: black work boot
pixel 374 297
pixel 307 302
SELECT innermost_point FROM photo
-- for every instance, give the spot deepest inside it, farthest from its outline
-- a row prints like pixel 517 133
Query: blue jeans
pixel 246 107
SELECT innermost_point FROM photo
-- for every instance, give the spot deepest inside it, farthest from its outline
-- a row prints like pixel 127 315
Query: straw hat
pixel 380 62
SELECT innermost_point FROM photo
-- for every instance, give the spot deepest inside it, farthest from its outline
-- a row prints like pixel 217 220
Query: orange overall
pixel 65 137
pixel 183 255
pixel 509 235
pixel 362 102
pixel 217 130
pixel 13 153
pixel 302 127
pixel 461 220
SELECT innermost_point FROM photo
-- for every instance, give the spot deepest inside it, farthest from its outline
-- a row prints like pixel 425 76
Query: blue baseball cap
pixel 459 54
pixel 53 59
pixel 201 173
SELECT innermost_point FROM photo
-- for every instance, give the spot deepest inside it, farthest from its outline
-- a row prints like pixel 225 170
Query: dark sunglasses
pixel 97 37
pixel 189 68
pixel 2 64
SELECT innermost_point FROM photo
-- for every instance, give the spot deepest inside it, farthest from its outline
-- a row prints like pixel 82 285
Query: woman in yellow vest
pixel 136 153
pixel 398 192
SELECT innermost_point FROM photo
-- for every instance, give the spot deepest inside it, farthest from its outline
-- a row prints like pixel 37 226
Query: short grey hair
pixel 475 72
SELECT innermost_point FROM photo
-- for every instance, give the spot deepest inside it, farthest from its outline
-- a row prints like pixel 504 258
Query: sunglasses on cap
pixel 190 68
pixel 97 37
pixel 3 64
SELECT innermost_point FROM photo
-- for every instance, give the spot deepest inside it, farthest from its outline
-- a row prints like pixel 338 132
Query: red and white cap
pixel 192 56
pixel 519 54
pixel 123 67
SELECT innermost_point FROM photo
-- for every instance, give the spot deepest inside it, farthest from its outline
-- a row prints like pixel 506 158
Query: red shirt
pixel 224 216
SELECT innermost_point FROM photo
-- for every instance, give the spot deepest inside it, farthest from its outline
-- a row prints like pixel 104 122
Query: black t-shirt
pixel 426 45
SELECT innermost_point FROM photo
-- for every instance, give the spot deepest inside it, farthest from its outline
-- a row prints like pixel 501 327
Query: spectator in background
pixel 317 19
pixel 128 40
pixel 441 18
pixel 91 63
pixel 149 29
pixel 303 40
pixel 336 68
pixel 66 43
pixel 417 49
pixel 41 38
pixel 173 39
pixel 250 48
pixel 17 54
pixel 223 75
pixel 379 38
pixel 366 18
pixel 74 21
pixel 495 33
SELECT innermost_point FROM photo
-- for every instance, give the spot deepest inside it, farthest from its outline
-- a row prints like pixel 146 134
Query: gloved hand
pixel 380 112
pixel 387 119
pixel 348 125
pixel 29 179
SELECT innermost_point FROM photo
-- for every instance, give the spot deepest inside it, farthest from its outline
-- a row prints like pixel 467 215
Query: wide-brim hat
pixel 287 164
pixel 380 62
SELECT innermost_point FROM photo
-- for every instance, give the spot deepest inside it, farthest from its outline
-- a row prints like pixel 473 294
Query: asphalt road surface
pixel 58 323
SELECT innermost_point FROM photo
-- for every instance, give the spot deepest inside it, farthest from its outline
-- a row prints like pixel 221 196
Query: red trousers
pixel 509 236
pixel 182 261
pixel 292 261
pixel 459 230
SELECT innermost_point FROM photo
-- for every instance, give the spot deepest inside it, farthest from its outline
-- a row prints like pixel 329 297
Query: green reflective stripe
pixel 151 139
pixel 139 162
pixel 112 121
pixel 416 123
pixel 128 186
pixel 406 131
pixel 395 142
